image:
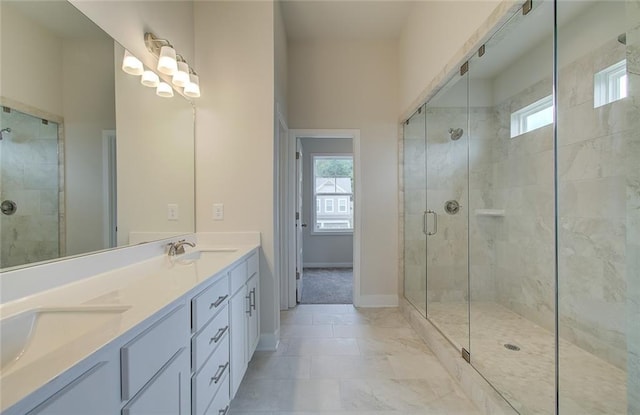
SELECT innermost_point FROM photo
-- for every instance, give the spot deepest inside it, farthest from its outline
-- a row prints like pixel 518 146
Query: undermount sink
pixel 190 256
pixel 31 334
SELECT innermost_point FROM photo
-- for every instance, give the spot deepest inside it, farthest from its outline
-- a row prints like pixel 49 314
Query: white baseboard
pixel 269 341
pixel 328 265
pixel 377 301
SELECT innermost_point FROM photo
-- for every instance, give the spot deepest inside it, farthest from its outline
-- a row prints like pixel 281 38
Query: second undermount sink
pixel 33 333
pixel 190 256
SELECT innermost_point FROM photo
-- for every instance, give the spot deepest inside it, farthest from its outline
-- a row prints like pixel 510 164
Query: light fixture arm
pixel 154 43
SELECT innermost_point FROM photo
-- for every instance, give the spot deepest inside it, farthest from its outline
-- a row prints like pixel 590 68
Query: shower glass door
pixel 511 208
pixel 446 213
pixel 29 189
pixel 598 136
pixel 415 240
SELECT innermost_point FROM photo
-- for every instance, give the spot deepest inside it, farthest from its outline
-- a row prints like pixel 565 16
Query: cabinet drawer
pixel 206 304
pixel 238 276
pixel 210 378
pixel 252 265
pixel 145 355
pixel 210 337
pixel 220 404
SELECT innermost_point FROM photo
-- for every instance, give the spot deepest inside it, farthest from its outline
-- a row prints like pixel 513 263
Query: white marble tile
pixel 270 366
pixel 351 367
pixel 321 347
pixel 306 331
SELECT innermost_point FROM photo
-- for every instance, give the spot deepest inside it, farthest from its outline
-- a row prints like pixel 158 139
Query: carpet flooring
pixel 327 286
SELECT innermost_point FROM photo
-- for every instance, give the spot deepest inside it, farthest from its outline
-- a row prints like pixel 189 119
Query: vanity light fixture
pixel 167 63
pixel 171 63
pixel 181 76
pixel 150 79
pixel 192 89
pixel 164 90
pixel 131 64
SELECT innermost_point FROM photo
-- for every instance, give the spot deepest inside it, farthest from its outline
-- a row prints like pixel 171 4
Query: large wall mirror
pixel 89 158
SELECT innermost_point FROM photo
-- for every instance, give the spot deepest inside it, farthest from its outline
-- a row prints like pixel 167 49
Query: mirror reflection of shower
pixel 5 133
pixel 455 133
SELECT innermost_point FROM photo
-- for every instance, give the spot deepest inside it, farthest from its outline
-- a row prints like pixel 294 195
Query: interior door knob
pixel 304 225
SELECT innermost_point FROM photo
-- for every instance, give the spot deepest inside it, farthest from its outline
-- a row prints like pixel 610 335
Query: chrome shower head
pixel 456 133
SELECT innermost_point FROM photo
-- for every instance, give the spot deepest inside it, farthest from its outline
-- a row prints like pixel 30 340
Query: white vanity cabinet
pixel 244 317
pixel 187 359
pixel 96 391
pixel 210 348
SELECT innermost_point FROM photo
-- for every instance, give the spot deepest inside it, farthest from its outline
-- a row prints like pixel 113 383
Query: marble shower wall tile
pixel 598 151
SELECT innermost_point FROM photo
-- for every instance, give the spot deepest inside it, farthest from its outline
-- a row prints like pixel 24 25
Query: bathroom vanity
pixel 167 335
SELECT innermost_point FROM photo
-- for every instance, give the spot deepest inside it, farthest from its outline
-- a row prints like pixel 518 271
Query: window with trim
pixel 532 117
pixel 333 193
pixel 610 84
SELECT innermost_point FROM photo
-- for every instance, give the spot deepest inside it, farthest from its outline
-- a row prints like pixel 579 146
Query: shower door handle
pixel 435 222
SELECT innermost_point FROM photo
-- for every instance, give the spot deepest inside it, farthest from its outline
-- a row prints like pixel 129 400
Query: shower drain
pixel 512 347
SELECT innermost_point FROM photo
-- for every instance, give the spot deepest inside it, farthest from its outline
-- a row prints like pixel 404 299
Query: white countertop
pixel 144 288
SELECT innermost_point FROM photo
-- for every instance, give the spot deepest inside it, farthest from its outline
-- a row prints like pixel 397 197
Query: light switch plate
pixel 218 211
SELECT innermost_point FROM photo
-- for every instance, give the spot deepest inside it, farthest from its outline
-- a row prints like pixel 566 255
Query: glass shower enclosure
pixel 522 209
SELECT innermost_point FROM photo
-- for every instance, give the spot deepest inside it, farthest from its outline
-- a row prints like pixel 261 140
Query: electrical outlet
pixel 218 211
pixel 172 211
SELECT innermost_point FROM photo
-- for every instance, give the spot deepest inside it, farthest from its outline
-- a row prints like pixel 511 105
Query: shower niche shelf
pixel 489 212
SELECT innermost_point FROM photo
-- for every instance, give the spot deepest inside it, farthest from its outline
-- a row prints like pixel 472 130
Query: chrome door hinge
pixel 466 355
pixel 297 155
pixel 464 68
pixel 527 7
pixel 297 215
pixel 297 275
pixel 481 51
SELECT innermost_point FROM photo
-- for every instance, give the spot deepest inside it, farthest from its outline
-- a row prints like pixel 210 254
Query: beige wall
pixel 434 33
pixel 235 129
pixel 37 48
pixel 89 108
pixel 155 147
pixel 280 54
pixel 354 85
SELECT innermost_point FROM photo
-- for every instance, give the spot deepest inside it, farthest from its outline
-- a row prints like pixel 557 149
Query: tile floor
pixel 336 359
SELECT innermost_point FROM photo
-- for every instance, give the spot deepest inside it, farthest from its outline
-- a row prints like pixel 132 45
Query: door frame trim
pixel 286 166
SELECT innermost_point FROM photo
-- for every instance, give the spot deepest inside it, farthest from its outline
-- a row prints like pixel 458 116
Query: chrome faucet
pixel 177 248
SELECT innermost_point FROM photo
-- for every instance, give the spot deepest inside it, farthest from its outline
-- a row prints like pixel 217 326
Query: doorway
pixel 309 198
pixel 326 205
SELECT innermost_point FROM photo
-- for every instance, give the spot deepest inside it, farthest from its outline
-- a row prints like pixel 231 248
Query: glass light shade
pixel 167 61
pixel 192 89
pixel 164 90
pixel 181 77
pixel 131 64
pixel 150 79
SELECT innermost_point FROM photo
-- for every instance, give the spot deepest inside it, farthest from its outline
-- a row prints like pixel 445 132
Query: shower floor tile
pixel 526 378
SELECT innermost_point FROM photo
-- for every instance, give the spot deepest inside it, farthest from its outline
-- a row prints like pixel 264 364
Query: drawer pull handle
pixel 219 301
pixel 248 297
pixel 216 378
pixel 219 334
pixel 253 294
pixel 224 411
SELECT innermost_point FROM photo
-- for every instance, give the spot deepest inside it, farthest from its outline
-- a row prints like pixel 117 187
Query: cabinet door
pixel 168 392
pixel 97 391
pixel 238 308
pixel 253 321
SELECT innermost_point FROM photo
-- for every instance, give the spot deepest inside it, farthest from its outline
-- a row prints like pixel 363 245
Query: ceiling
pixel 345 20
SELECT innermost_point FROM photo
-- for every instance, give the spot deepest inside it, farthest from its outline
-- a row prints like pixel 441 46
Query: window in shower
pixel 532 117
pixel 610 84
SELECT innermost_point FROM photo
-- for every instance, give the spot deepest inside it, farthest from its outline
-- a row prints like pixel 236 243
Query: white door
pixel 299 224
